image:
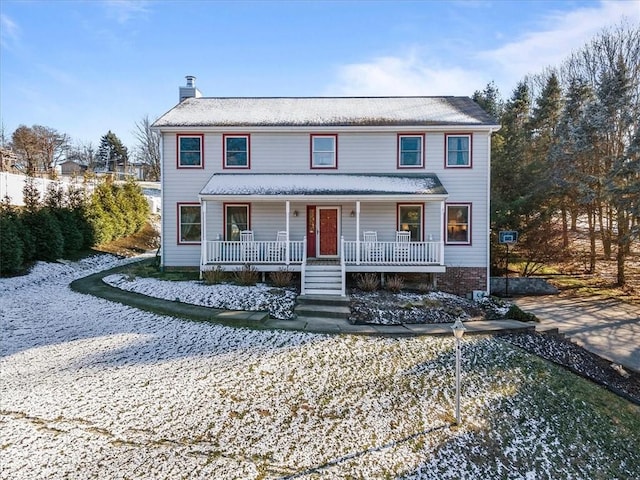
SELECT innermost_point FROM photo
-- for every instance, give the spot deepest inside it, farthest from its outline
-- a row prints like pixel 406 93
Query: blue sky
pixel 86 67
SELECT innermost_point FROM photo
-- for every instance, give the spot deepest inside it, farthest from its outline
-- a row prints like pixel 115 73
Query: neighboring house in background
pixel 327 186
pixel 70 168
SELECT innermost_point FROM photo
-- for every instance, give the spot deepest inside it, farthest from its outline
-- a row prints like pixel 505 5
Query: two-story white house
pixel 326 186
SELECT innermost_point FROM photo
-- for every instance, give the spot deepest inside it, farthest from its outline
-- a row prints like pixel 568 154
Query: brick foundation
pixel 462 280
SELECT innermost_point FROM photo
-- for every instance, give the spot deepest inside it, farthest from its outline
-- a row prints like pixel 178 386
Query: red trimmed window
pixel 324 151
pixel 237 151
pixel 458 150
pixel 236 219
pixel 458 219
pixel 189 224
pixel 190 151
pixel 410 151
pixel 410 219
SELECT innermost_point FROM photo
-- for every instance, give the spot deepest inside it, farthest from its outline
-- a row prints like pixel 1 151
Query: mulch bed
pixel 560 350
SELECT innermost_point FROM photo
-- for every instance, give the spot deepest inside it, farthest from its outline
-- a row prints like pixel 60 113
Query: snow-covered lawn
pixel 94 389
pixel 279 302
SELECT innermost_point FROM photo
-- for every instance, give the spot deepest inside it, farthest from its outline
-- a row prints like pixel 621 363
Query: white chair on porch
pixel 248 246
pixel 371 248
pixel 278 250
pixel 401 247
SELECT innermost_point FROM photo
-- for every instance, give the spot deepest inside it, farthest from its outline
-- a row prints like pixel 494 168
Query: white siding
pixel 360 152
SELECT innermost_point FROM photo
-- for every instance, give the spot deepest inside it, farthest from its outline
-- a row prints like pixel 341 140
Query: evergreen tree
pixel 112 153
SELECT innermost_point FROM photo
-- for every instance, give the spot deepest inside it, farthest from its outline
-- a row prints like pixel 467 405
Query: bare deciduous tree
pixel 148 148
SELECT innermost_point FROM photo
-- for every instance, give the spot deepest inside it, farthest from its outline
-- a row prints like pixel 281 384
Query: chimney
pixel 190 90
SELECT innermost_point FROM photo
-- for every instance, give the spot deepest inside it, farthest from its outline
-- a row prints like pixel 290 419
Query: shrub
pixel 246 275
pixel 47 236
pixel 214 276
pixel 516 313
pixel 367 282
pixel 281 278
pixel 11 258
pixel 70 229
pixel 395 283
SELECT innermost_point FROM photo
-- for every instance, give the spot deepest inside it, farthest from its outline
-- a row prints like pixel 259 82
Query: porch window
pixel 324 151
pixel 458 224
pixel 458 152
pixel 236 220
pixel 410 151
pixel 410 220
pixel 236 151
pixel 189 223
pixel 190 151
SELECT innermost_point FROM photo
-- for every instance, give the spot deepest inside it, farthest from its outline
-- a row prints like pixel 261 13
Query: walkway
pixel 608 328
pixel 94 285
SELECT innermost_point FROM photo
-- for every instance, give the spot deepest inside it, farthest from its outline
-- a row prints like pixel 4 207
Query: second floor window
pixel 458 150
pixel 236 151
pixel 410 151
pixel 324 151
pixel 190 151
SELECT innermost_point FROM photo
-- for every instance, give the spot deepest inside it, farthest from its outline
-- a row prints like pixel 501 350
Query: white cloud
pixel 418 73
pixel 564 34
pixel 406 75
pixel 9 32
pixel 125 10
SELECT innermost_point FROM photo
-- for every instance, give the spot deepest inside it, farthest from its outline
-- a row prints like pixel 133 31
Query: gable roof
pixel 325 111
pixel 308 184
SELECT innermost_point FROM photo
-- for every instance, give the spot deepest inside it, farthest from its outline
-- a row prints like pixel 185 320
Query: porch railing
pixel 371 253
pixel 393 253
pixel 222 251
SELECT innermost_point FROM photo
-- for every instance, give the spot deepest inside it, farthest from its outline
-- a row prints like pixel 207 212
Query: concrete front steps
pixel 319 308
pixel 323 279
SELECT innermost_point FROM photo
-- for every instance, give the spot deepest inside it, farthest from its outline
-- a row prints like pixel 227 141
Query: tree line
pixel 38 149
pixel 68 221
pixel 569 149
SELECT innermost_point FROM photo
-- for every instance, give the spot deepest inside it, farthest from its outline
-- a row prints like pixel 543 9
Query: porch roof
pixel 319 185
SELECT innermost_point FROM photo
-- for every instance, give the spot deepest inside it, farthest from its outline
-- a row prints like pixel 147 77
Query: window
pixel 236 219
pixel 458 150
pixel 189 223
pixel 410 151
pixel 458 224
pixel 410 220
pixel 236 151
pixel 190 151
pixel 324 151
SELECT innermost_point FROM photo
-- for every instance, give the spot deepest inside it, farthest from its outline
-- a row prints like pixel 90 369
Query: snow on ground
pixel 279 302
pixel 94 389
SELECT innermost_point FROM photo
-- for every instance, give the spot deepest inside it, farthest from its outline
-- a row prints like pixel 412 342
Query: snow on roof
pixel 325 111
pixel 322 184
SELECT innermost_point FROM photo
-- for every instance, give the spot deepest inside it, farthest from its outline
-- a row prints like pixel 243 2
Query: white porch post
pixel 287 209
pixel 442 233
pixel 357 232
pixel 203 234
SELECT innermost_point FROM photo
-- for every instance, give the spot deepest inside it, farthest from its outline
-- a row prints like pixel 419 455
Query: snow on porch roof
pixel 325 111
pixel 322 184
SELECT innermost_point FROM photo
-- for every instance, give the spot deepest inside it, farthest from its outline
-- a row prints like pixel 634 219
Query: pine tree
pixel 112 153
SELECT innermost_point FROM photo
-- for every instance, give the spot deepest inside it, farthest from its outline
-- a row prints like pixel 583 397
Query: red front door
pixel 328 231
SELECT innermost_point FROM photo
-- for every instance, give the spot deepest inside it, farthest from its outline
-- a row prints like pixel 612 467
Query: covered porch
pixel 362 223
